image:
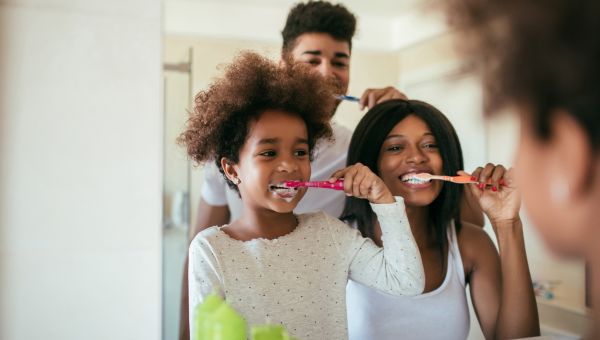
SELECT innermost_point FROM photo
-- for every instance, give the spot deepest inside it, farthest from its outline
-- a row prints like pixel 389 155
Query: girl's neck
pixel 267 224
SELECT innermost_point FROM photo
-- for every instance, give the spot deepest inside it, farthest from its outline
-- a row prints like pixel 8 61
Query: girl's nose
pixel 287 165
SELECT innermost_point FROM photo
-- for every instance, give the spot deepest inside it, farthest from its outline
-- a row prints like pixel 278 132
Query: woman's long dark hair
pixel 365 147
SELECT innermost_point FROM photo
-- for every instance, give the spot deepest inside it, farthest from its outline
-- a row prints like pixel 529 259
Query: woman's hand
pixel 499 199
pixel 361 182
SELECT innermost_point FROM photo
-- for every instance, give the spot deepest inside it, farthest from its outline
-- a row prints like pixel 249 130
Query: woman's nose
pixel 416 156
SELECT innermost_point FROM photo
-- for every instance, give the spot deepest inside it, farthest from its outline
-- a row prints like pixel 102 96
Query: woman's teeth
pixel 412 179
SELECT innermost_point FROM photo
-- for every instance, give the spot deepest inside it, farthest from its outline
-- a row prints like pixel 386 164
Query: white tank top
pixel 440 314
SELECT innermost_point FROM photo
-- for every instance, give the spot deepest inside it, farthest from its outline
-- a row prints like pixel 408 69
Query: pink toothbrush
pixel 337 185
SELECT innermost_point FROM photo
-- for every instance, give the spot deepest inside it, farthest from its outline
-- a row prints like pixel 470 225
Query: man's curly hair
pixel 219 124
pixel 544 55
pixel 318 17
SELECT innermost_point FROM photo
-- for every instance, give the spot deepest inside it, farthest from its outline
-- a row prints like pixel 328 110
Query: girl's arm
pixel 397 268
pixel 204 275
pixel 501 287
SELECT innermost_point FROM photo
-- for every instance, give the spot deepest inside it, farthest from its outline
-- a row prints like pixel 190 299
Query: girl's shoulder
pixel 207 236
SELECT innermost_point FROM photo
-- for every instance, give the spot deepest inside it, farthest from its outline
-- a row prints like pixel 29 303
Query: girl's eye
pixel 430 146
pixel 300 153
pixel 269 153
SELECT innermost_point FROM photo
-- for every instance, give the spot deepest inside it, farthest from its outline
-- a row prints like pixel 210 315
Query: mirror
pixel 397 44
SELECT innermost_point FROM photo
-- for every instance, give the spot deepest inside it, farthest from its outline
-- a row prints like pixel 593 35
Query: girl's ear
pixel 230 170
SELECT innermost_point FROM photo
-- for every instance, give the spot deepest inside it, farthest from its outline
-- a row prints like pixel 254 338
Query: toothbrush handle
pixel 337 185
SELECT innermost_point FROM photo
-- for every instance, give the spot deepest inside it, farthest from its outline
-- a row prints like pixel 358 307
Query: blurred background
pixel 96 199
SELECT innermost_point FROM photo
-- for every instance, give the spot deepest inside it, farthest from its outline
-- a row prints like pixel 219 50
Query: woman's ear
pixel 230 170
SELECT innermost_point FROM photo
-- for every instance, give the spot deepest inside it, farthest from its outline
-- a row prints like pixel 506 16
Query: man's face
pixel 329 57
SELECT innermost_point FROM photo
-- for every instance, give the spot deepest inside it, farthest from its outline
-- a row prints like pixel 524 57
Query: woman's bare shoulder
pixel 475 245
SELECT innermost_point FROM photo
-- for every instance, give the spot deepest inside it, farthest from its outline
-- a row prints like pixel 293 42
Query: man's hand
pixel 372 97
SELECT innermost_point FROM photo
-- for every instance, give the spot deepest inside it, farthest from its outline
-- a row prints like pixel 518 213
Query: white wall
pixel 80 169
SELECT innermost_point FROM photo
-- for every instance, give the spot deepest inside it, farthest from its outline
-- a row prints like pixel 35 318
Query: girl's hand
pixel 501 203
pixel 361 182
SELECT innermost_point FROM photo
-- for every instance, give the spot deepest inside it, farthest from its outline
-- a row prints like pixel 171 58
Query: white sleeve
pixel 204 275
pixel 397 267
pixel 214 185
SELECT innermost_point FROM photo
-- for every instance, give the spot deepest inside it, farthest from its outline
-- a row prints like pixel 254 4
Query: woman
pixel 401 137
pixel 540 58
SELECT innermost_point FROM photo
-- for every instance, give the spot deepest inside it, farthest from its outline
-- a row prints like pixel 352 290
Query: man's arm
pixel 208 216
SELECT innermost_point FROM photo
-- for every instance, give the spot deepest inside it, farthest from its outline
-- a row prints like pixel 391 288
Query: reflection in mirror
pixel 176 202
pixel 398 44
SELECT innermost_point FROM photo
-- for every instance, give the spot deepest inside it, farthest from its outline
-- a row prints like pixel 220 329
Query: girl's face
pixel 276 150
pixel 410 147
pixel 539 178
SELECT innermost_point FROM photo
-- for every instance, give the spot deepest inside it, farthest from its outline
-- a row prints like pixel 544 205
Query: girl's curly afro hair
pixel 218 125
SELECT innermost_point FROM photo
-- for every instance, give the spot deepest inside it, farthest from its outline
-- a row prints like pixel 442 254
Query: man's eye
pixel 340 65
pixel 269 153
pixel 313 62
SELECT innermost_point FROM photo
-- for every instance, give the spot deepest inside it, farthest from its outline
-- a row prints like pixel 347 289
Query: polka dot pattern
pixel 299 280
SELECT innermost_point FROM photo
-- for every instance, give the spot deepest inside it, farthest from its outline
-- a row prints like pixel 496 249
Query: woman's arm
pixel 501 287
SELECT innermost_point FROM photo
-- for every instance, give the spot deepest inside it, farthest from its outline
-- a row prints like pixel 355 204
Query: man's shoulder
pixel 341 132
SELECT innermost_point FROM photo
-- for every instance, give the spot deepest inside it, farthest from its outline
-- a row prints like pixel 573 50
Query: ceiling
pixel 385 25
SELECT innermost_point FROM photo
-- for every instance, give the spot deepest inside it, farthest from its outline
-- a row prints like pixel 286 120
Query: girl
pixel 402 137
pixel 540 59
pixel 260 123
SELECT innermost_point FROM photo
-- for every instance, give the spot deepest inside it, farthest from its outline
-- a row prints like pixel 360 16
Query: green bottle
pixel 202 314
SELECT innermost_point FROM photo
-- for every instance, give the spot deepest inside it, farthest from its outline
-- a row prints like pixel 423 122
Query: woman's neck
pixel 261 223
pixel 418 217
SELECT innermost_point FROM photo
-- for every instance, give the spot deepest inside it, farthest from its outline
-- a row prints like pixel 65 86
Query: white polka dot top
pixel 299 279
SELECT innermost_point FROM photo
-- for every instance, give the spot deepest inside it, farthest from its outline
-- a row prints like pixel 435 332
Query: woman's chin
pixel 418 200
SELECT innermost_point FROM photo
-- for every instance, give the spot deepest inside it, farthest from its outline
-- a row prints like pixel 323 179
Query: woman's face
pixel 410 147
pixel 276 150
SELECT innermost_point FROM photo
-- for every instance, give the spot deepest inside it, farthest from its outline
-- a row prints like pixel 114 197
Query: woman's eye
pixel 394 148
pixel 430 146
